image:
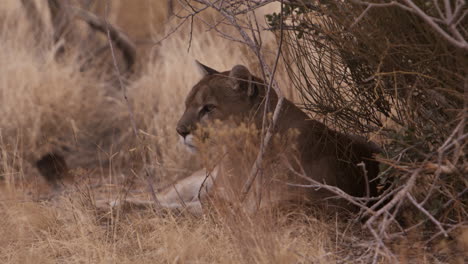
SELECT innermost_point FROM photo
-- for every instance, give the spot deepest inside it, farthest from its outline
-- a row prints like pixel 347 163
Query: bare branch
pixel 460 43
pixel 61 14
pixel 422 209
pixel 231 17
pixel 120 39
pixel 397 198
pixel 455 39
pixel 265 141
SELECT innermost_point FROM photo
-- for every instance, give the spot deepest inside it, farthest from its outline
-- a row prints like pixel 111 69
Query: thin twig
pixel 422 209
pixel 130 110
pixel 265 140
pixel 117 72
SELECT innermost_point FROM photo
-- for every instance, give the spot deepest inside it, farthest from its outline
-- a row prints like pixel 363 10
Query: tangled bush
pixel 383 69
pixel 395 70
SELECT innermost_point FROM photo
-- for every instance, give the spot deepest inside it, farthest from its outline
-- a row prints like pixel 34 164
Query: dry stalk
pixel 33 14
pixel 230 15
pixel 265 140
pixel 129 107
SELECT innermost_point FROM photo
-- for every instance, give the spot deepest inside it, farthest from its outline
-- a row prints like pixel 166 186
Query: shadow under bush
pixel 384 71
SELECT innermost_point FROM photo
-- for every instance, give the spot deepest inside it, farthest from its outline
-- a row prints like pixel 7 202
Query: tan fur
pixel 235 97
pixel 324 155
pixel 182 196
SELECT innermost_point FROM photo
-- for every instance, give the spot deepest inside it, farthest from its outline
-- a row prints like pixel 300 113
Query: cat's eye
pixel 208 108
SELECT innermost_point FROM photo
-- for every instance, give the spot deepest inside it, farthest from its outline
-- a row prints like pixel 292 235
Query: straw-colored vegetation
pixel 53 105
pixel 66 104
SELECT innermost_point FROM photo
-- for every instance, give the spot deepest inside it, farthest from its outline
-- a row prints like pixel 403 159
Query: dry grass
pixel 71 233
pixel 51 105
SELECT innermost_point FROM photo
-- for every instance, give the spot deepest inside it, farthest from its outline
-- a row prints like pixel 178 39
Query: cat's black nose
pixel 183 131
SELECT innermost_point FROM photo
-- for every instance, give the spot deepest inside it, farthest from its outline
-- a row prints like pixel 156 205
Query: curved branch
pixel 33 14
pixel 121 40
pixel 61 12
pixel 460 43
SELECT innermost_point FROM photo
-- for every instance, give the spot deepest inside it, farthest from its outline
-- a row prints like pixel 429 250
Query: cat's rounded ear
pixel 205 70
pixel 242 80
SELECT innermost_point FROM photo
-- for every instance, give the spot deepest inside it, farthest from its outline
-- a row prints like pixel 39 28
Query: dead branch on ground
pixel 62 16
